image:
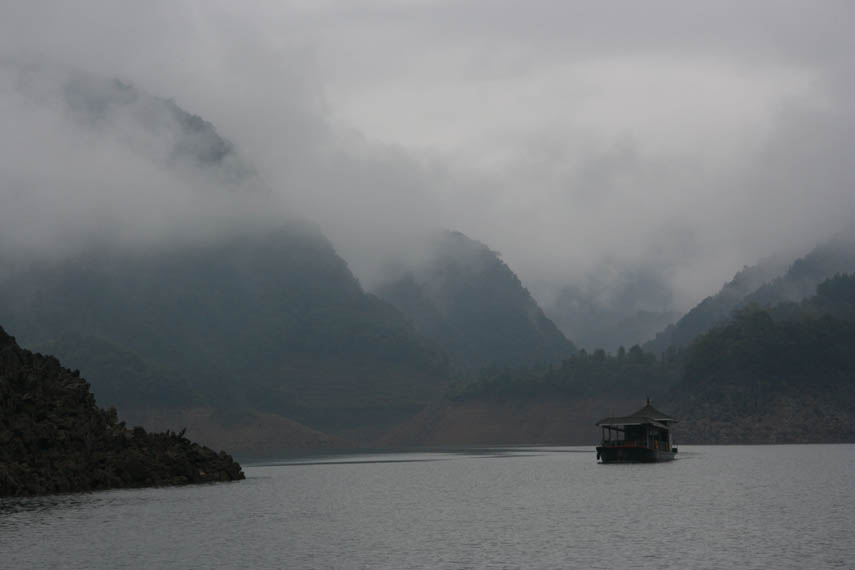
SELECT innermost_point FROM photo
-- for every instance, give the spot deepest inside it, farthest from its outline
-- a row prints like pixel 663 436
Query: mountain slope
pixel 471 304
pixel 785 374
pixel 761 284
pixel 761 380
pixel 269 320
pixel 156 260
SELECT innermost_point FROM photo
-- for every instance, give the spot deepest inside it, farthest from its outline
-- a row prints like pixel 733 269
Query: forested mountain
pixel 766 380
pixel 472 305
pixel 270 320
pixel 180 291
pixel 761 284
pixel 780 374
pixel 806 273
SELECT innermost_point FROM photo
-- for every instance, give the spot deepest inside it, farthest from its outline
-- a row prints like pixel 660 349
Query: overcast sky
pixel 588 142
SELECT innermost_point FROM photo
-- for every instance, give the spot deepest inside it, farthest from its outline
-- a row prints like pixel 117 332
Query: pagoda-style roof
pixel 646 415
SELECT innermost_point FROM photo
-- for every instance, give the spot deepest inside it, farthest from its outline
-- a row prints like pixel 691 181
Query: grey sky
pixel 584 141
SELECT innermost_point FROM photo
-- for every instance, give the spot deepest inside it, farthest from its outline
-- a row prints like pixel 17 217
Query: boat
pixel 642 437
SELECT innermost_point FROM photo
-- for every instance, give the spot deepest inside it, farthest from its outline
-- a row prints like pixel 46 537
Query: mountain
pixel 762 284
pixel 784 373
pixel 467 301
pixel 834 257
pixel 54 439
pixel 594 324
pixel 613 307
pixel 153 127
pixel 119 377
pixel 156 260
pixel 268 320
pixel 761 380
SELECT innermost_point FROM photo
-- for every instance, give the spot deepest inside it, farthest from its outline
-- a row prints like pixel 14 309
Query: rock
pixel 55 439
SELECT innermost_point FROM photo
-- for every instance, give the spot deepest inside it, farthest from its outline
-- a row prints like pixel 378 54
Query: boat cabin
pixel 642 436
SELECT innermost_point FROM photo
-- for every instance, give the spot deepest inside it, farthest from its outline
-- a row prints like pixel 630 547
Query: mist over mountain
pixel 806 273
pixel 767 283
pixel 779 374
pixel 145 121
pixel 621 309
pixel 100 160
pixel 160 161
pixel 268 320
pixel 469 302
pixel 564 164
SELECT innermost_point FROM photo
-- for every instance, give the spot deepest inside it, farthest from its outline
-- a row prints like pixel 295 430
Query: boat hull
pixel 632 454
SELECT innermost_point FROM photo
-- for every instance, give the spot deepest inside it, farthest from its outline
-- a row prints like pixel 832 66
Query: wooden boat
pixel 642 437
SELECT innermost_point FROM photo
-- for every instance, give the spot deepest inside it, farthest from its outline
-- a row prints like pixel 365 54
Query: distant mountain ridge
pixel 613 307
pixel 761 284
pixel 785 374
pixel 593 325
pixel 472 305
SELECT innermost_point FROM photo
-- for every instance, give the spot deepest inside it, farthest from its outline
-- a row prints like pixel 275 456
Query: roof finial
pixel 648 400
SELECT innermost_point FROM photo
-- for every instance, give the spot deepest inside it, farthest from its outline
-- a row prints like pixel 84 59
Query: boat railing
pixel 635 443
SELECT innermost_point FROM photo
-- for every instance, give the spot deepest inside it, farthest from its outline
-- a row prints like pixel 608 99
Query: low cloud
pixel 586 144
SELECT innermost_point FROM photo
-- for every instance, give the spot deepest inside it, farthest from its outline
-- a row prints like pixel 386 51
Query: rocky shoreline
pixel 55 439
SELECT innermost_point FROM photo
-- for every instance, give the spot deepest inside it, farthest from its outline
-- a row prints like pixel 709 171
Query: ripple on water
pixel 715 507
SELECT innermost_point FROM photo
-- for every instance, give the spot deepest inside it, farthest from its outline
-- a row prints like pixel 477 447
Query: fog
pixel 652 148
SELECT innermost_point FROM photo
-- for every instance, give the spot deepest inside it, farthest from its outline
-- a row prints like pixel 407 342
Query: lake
pixel 741 507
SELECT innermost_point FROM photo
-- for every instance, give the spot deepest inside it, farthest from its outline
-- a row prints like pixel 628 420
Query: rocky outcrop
pixel 54 438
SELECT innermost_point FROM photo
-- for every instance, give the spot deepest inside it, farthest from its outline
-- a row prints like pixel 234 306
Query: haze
pixel 658 145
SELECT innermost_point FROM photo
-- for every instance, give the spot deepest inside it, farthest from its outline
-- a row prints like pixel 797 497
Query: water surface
pixel 538 507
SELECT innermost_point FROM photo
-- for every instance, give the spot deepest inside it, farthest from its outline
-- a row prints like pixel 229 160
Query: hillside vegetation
pixel 762 285
pixel 54 439
pixel 469 303
pixel 784 373
pixel 270 320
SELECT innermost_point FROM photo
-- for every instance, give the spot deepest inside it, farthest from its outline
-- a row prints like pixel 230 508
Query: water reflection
pixel 715 507
pixel 12 505
pixel 296 463
pixel 408 455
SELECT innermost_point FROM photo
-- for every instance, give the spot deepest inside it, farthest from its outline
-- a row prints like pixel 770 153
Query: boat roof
pixel 630 421
pixel 646 415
